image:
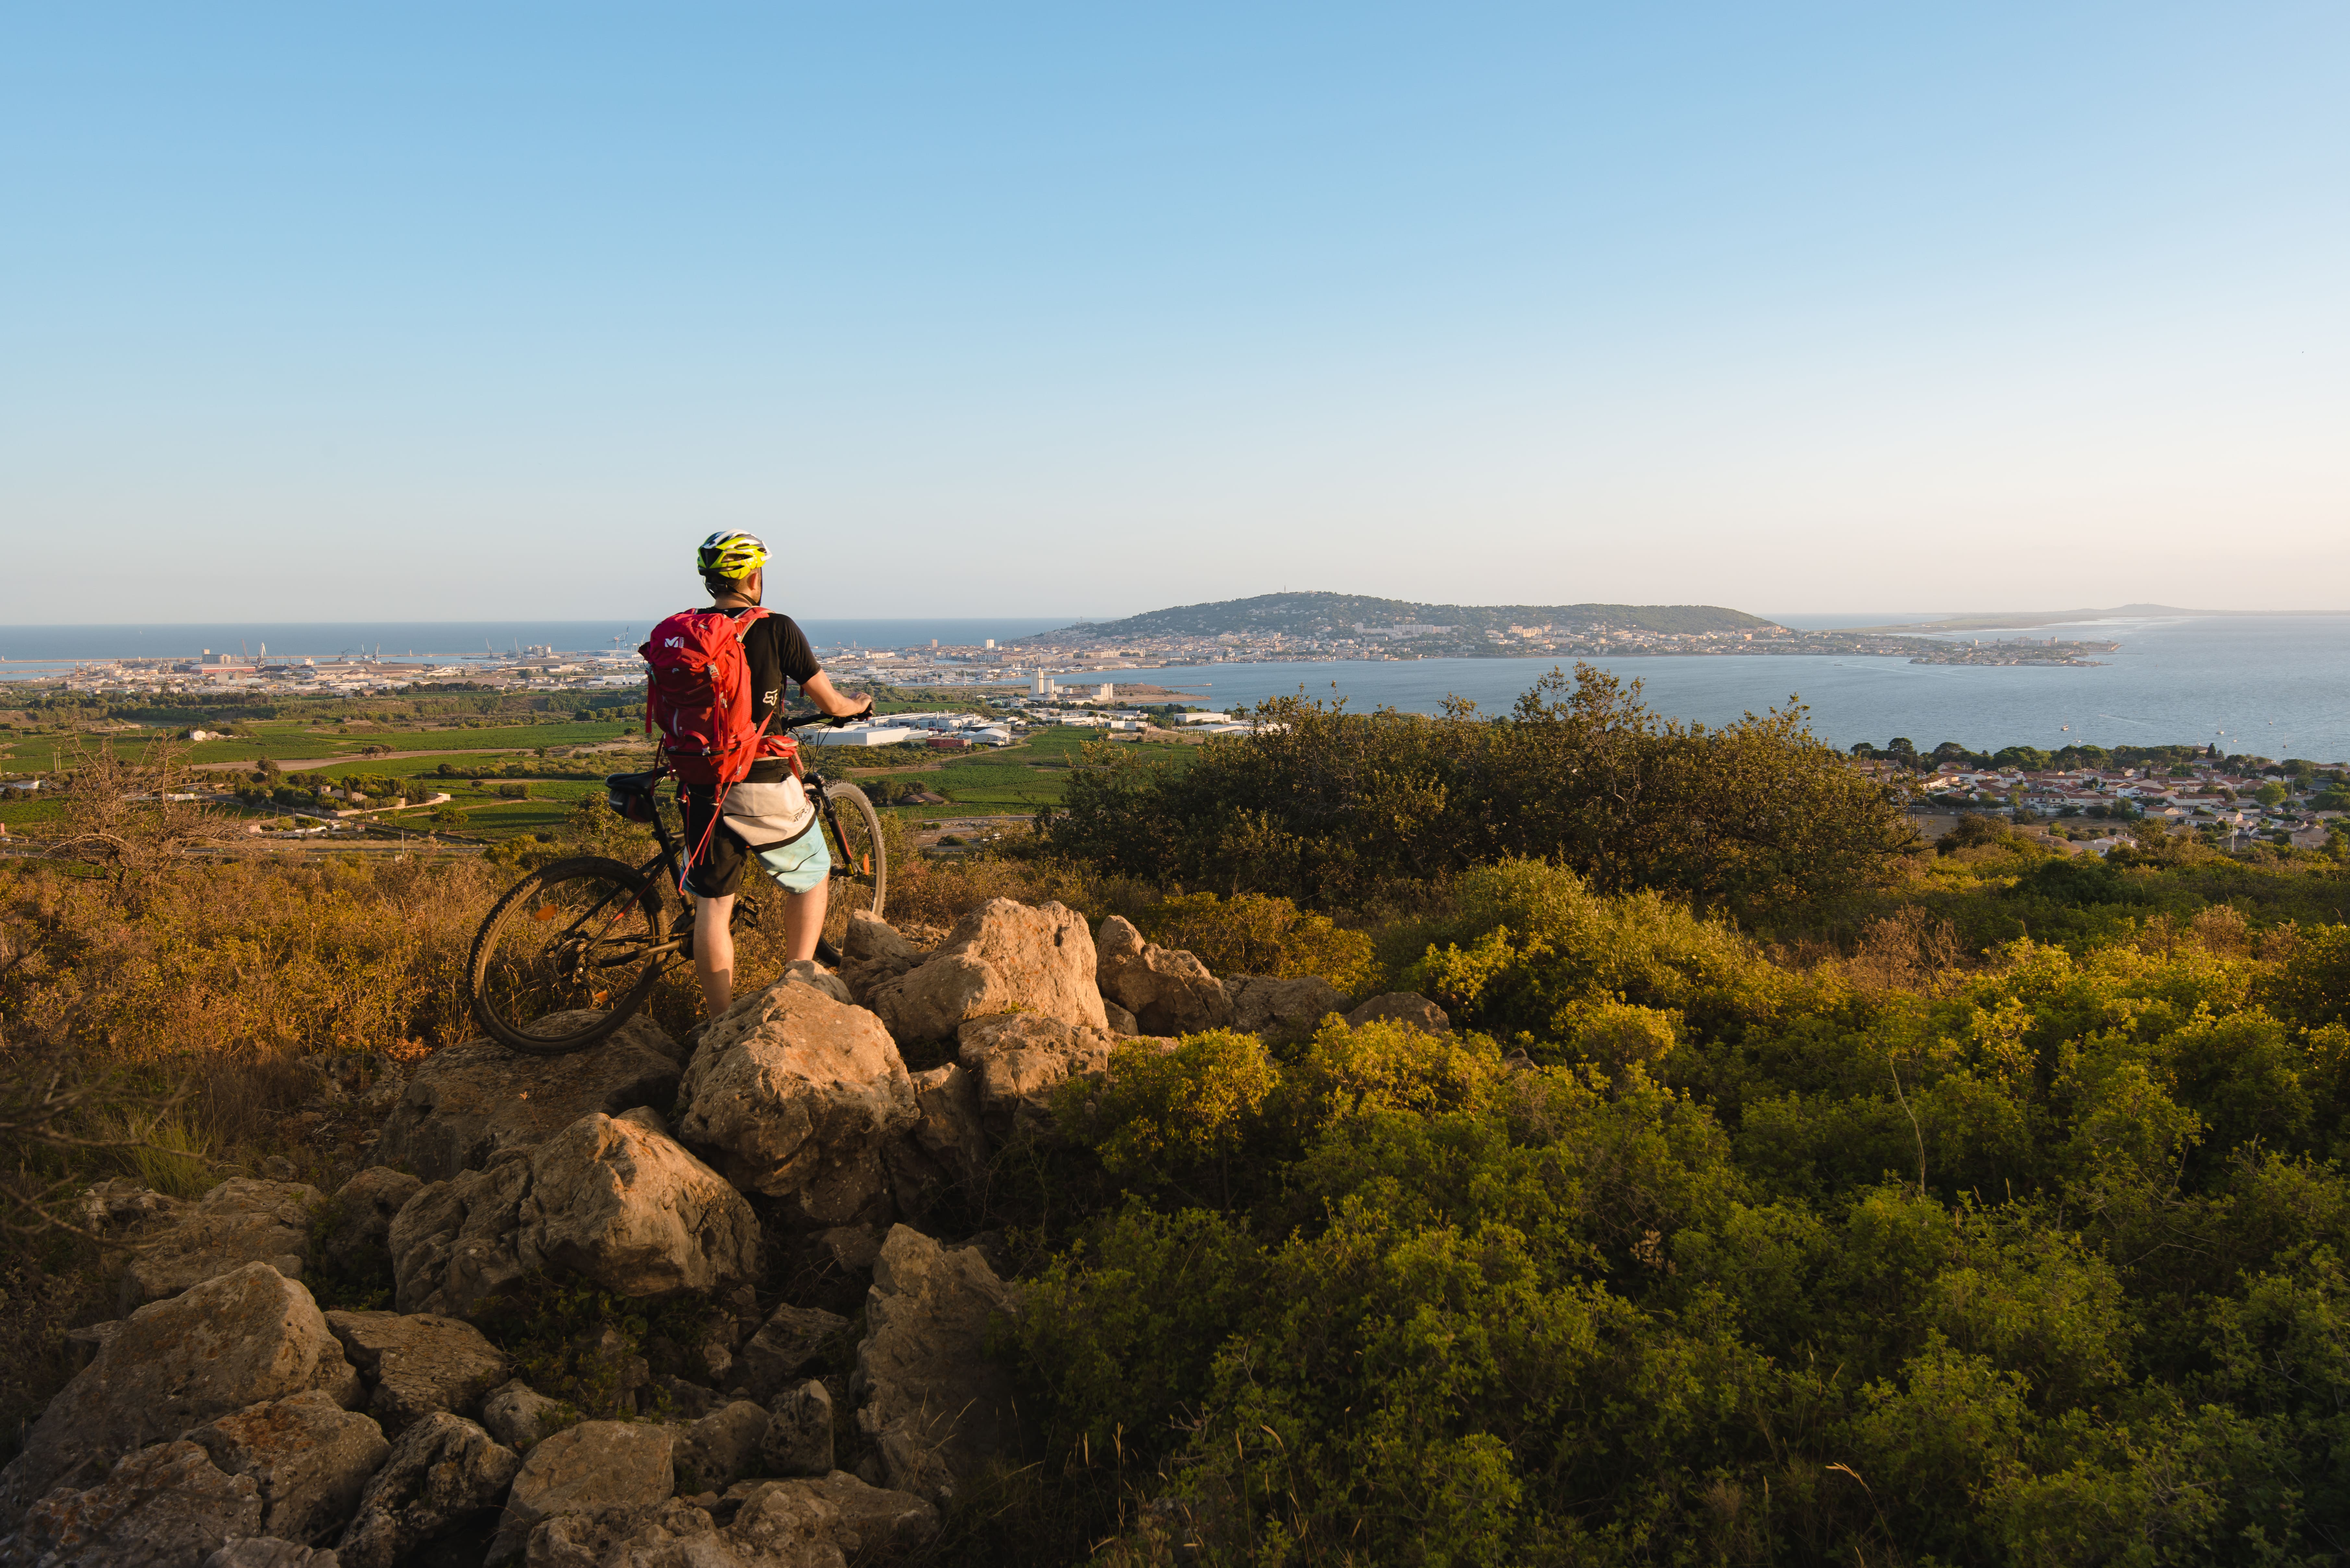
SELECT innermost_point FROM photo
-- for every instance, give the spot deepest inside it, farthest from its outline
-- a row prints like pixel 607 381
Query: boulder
pixel 1281 1010
pixel 814 1523
pixel 873 952
pixel 608 1199
pixel 1168 991
pixel 808 973
pixel 1122 1021
pixel 160 1506
pixel 787 1344
pixel 470 1102
pixel 1002 957
pixel 797 1437
pixel 945 1149
pixel 443 1473
pixel 1016 1061
pixel 723 1447
pixel 797 1093
pixel 519 1415
pixel 242 1338
pixel 310 1457
pixel 358 1238
pixel 936 1409
pixel 618 1471
pixel 417 1362
pixel 1404 1007
pixel 243 1220
pixel 120 1201
pixel 271 1551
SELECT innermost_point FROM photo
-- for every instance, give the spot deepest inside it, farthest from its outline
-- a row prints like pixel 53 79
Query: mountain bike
pixel 571 952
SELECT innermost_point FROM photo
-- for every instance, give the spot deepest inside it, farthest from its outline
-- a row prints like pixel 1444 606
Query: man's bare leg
pixel 803 921
pixel 713 951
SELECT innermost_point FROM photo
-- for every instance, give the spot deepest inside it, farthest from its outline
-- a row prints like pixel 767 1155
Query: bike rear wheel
pixel 568 955
pixel 860 867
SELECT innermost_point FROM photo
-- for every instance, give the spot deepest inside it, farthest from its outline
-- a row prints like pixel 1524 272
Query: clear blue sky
pixel 419 311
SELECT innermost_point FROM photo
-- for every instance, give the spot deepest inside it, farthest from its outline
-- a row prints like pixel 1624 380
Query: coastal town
pixel 2232 803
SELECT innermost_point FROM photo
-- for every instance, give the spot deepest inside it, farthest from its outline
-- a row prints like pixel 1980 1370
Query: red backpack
pixel 699 695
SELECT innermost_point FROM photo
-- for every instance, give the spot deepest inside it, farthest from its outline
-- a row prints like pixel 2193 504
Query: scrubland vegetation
pixel 1786 1192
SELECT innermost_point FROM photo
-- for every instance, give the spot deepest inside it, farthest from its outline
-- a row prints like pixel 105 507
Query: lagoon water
pixel 2275 686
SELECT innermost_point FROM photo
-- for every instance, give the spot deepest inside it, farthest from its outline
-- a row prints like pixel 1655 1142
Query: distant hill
pixel 1341 614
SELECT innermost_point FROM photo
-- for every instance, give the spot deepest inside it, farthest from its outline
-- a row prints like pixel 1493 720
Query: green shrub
pixel 1256 933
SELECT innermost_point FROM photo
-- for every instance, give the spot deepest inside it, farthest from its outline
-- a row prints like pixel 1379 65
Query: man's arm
pixel 818 689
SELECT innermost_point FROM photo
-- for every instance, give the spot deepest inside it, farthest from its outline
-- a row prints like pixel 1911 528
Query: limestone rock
pixel 797 1094
pixel 1166 990
pixel 416 1364
pixel 787 1344
pixel 596 1469
pixel 798 1441
pixel 1122 1021
pixel 1404 1007
pixel 864 1521
pixel 443 1473
pixel 247 1336
pixel 160 1506
pixel 1016 1061
pixel 243 1220
pixel 120 1201
pixel 945 1149
pixel 1002 957
pixel 723 1447
pixel 608 1199
pixel 310 1457
pixel 1282 1009
pixel 808 973
pixel 358 1234
pixel 469 1102
pixel 519 1415
pixel 270 1552
pixel 873 952
pixel 937 1410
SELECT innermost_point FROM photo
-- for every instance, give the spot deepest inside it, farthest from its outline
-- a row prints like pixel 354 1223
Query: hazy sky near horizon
pixel 436 311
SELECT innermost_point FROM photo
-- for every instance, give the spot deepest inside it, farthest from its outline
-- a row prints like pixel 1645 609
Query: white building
pixel 861 735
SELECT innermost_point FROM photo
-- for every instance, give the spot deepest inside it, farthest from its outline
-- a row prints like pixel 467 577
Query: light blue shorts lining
pixel 801 866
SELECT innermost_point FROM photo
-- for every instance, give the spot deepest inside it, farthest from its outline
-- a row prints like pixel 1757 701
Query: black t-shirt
pixel 778 651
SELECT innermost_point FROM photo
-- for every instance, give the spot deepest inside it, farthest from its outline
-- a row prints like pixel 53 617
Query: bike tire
pixel 860 865
pixel 539 991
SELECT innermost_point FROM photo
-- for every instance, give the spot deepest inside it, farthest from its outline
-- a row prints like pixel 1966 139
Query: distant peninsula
pixel 1330 626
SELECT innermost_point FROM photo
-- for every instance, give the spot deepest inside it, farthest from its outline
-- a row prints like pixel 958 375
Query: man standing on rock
pixel 733 566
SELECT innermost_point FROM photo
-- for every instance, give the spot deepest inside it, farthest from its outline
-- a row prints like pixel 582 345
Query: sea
pixel 2275 686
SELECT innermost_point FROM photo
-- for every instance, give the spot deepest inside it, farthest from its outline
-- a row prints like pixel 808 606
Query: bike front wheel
pixel 568 955
pixel 860 865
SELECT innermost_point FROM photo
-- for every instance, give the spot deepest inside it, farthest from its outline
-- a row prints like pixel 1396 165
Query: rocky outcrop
pixel 160 1506
pixel 417 1362
pixel 271 1551
pixel 357 1236
pixel 813 1523
pixel 1168 991
pixel 1281 1010
pixel 243 1220
pixel 1002 957
pixel 787 1345
pixel 468 1103
pixel 873 953
pixel 1122 1021
pixel 935 1408
pixel 1404 1007
pixel 608 1199
pixel 945 1149
pixel 519 1415
pixel 1017 1060
pixel 797 1437
pixel 797 1093
pixel 723 1447
pixel 443 1473
pixel 616 1473
pixel 247 1336
pixel 310 1457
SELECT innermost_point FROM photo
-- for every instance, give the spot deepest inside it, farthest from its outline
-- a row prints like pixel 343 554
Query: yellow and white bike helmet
pixel 731 553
